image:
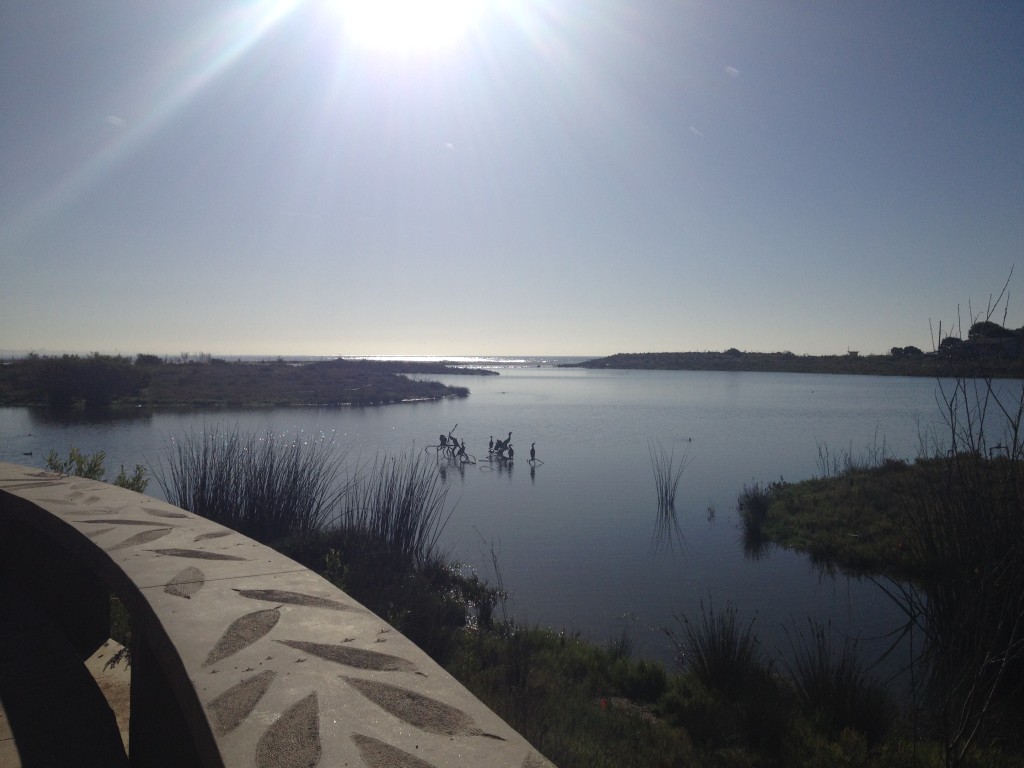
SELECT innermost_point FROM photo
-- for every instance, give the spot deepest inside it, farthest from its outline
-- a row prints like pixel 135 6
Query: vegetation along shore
pixel 989 349
pixel 148 380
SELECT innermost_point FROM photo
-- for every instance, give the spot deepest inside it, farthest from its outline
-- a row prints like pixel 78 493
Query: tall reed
pixel 667 474
pixel 266 486
pixel 720 653
pixel 398 503
pixel 832 686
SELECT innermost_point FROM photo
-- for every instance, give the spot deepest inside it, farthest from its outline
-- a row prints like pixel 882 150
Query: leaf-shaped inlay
pixel 186 582
pixel 234 705
pixel 293 740
pixel 418 710
pixel 292 598
pixel 157 512
pixel 377 754
pixel 141 538
pixel 117 521
pixel 98 532
pixel 198 554
pixel 214 535
pixel 243 632
pixel 353 657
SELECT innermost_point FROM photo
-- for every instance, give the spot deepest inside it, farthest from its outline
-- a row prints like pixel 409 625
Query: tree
pixel 986 329
pixel 97 379
pixel 950 344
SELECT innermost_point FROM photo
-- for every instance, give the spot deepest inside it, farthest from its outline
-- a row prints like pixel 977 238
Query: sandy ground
pixel 115 684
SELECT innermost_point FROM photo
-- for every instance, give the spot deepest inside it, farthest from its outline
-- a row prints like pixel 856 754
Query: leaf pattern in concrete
pixel 214 535
pixel 141 538
pixel 417 710
pixel 243 632
pixel 157 512
pixel 378 754
pixel 353 657
pixel 292 598
pixel 186 582
pixel 198 554
pixel 237 702
pixel 293 740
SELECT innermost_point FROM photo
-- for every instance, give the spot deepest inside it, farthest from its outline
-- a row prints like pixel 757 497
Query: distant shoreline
pixel 100 381
pixel 927 365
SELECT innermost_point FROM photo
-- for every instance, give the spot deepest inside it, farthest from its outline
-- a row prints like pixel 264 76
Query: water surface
pixel 575 538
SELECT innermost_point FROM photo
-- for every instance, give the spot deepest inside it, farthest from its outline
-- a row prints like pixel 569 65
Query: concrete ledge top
pixel 271 664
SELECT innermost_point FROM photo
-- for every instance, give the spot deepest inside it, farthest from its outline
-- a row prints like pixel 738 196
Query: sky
pixel 535 177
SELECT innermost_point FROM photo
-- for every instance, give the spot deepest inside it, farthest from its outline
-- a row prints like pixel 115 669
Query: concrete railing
pixel 240 656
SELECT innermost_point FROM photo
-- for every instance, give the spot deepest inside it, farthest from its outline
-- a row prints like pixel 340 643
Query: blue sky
pixel 564 177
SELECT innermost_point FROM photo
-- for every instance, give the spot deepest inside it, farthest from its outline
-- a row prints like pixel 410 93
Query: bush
pixel 91 466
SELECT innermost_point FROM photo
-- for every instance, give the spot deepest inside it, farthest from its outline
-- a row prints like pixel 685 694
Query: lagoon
pixel 576 539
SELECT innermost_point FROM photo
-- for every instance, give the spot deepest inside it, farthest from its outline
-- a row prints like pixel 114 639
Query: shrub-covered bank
pixel 944 537
pixel 104 380
pixel 931 366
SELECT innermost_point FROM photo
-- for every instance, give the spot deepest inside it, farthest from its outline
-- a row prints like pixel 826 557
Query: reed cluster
pixel 721 654
pixel 831 685
pixel 667 474
pixel 266 486
pixel 398 503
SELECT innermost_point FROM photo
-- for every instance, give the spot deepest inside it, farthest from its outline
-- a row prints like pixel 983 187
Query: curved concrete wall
pixel 241 657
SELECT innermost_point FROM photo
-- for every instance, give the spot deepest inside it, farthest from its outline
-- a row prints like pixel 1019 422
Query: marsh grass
pixel 400 504
pixel 752 506
pixel 266 486
pixel 579 704
pixel 667 474
pixel 832 687
pixel 668 471
pixel 718 651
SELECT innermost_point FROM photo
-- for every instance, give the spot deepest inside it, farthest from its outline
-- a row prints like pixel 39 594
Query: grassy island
pixel 147 380
pixel 944 537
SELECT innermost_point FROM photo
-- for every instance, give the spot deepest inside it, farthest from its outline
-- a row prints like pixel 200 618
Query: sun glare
pixel 408 26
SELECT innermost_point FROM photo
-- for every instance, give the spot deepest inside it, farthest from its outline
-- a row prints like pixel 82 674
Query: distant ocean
pixel 477 361
pixel 462 361
pixel 465 361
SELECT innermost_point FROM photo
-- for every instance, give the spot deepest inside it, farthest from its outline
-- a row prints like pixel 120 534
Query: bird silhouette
pixel 533 451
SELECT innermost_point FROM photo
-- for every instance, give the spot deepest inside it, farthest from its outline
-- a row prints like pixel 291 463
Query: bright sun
pixel 408 26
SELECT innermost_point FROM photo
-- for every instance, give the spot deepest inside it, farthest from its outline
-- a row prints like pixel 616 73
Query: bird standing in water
pixel 533 451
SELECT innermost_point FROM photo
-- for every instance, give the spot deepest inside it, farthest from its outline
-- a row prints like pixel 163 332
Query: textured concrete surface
pixel 269 664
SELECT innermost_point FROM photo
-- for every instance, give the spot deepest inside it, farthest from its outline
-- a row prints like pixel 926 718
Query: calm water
pixel 575 538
